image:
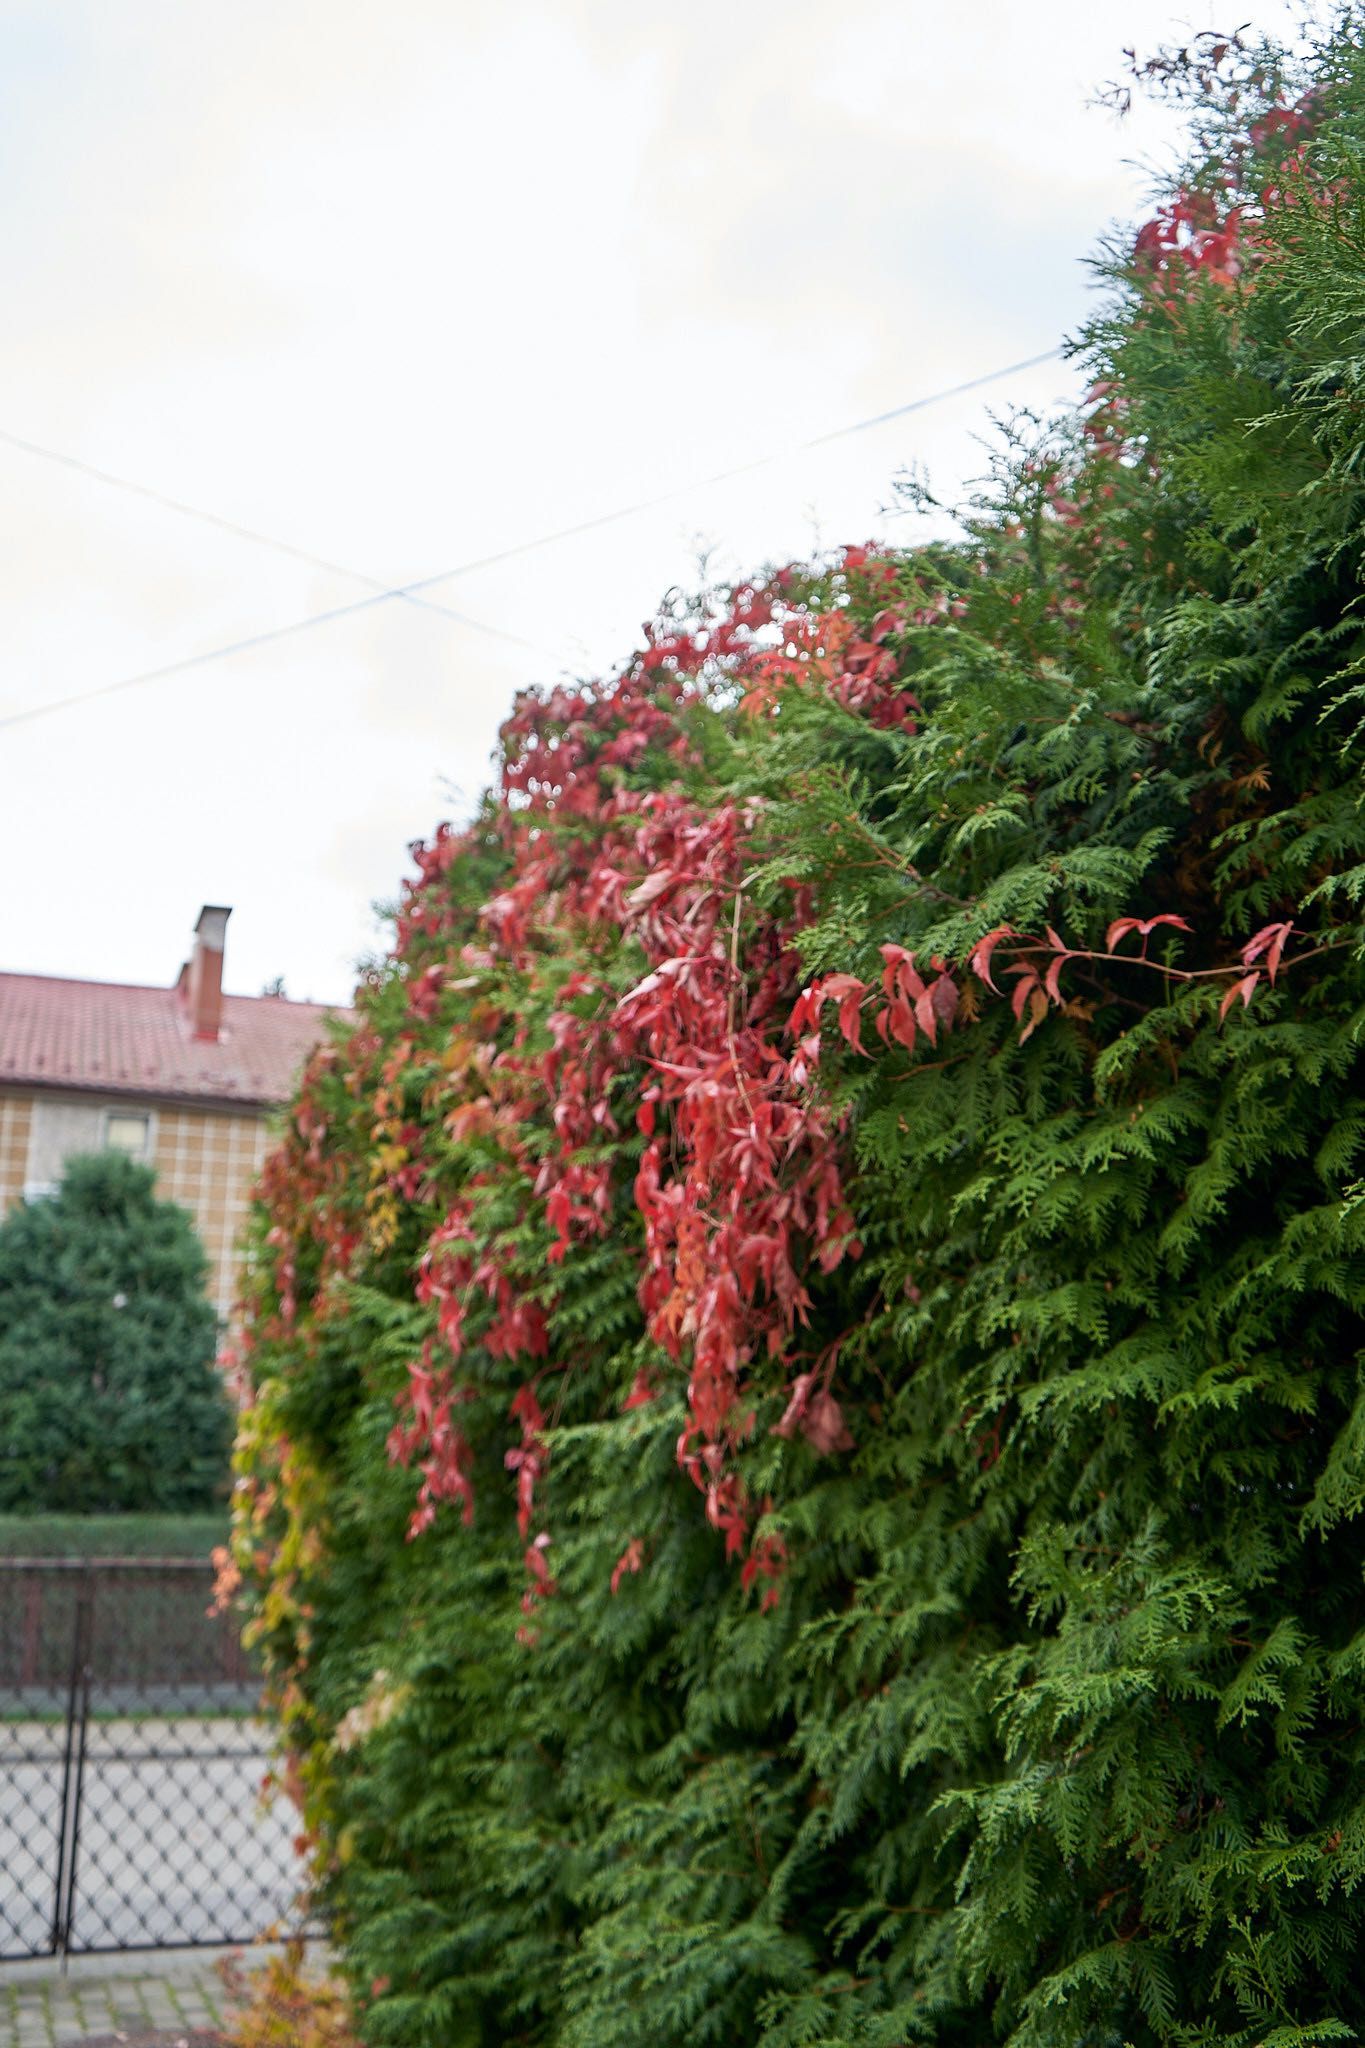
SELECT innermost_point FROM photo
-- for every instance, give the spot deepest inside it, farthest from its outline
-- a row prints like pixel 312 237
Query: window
pixel 125 1131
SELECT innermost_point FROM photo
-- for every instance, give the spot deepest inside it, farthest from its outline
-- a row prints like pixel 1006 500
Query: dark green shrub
pixel 110 1400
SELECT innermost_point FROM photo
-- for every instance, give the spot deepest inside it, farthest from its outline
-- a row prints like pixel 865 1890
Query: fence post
pixel 73 1760
pixel 33 1631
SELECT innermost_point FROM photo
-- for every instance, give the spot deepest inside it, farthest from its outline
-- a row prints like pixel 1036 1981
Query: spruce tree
pixel 110 1399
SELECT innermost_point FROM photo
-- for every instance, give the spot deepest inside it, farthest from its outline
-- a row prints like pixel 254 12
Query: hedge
pixel 112 1535
pixel 805 1370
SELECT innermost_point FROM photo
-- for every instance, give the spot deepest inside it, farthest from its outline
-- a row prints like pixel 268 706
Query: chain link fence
pixel 133 1812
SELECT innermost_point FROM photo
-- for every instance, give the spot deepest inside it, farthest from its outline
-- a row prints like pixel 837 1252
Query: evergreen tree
pixel 110 1399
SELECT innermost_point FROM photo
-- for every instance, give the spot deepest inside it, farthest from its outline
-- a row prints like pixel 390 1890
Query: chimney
pixel 201 981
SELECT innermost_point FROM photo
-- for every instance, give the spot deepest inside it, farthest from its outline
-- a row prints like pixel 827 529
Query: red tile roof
pixel 136 1041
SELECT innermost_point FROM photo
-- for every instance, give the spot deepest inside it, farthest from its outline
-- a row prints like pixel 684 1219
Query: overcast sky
pixel 403 285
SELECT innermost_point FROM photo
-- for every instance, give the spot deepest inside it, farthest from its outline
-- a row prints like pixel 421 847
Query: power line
pixel 725 476
pixel 263 540
pixel 176 668
pixel 420 586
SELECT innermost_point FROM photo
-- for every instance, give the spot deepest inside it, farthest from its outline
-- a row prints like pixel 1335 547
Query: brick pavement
pixel 103 1995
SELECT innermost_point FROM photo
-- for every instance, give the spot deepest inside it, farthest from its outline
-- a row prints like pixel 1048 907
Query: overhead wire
pixel 417 588
pixel 725 476
pixel 258 539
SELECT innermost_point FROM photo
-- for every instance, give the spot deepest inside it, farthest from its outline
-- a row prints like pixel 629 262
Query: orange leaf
pixel 1037 1010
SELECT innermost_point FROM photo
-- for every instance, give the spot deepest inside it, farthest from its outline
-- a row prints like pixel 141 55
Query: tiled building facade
pixel 186 1078
pixel 207 1161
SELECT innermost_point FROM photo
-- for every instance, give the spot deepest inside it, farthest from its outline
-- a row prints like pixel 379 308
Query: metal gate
pixel 132 1762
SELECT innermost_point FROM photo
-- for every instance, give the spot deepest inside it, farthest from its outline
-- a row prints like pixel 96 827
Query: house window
pixel 124 1131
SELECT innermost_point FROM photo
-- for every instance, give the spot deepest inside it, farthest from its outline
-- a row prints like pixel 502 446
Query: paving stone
pixel 147 2007
pixel 158 2003
pixel 123 2001
pixel 198 2012
pixel 177 2038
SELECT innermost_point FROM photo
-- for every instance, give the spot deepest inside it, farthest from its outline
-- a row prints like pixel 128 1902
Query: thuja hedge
pixel 805 1357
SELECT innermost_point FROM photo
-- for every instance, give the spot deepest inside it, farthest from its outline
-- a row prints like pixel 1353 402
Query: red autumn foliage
pixel 714 1054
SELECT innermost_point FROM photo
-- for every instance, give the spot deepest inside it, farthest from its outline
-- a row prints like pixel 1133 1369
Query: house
pixel 184 1077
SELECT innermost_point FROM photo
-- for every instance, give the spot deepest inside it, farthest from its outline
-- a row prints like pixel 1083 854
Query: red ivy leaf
pixel 899 1018
pixel 805 1010
pixel 925 1016
pixel 651 889
pixel 895 958
pixel 1242 988
pixel 1270 940
pixel 796 1406
pixel 1143 926
pixel 848 992
pixel 535 1561
pixel 982 951
pixel 944 996
pixel 823 1426
pixel 1024 987
pixel 817 1415
pixel 630 1560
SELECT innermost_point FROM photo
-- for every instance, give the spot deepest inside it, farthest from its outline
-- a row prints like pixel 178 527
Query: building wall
pixel 205 1159
pixel 16 1117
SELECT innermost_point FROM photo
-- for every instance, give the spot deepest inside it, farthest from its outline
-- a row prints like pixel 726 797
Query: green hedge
pixel 111 1535
pixel 1012 1347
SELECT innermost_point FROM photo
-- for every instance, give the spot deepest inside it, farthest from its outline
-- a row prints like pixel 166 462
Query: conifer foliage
pixel 805 1356
pixel 110 1400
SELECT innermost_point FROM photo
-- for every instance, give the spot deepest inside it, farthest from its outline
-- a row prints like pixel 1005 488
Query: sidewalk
pixel 172 1991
